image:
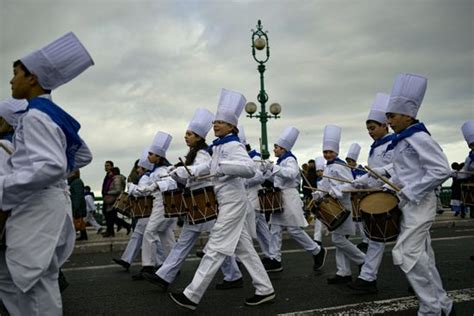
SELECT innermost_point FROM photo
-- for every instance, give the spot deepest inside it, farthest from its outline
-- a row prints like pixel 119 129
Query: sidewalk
pixel 99 244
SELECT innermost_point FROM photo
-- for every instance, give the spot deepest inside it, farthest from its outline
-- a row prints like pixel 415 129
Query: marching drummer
pixel 286 177
pixel 419 166
pixel 230 164
pixel 320 164
pixel 158 227
pixel 346 251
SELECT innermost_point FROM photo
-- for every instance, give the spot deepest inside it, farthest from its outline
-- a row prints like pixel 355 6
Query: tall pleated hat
pixel 354 151
pixel 407 94
pixel 230 106
pixel 201 123
pixel 242 137
pixel 288 138
pixel 320 163
pixel 468 131
pixel 160 144
pixel 9 109
pixel 58 62
pixel 379 108
pixel 144 162
pixel 331 138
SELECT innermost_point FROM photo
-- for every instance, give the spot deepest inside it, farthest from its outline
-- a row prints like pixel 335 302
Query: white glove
pixel 317 195
pixel 149 188
pixel 180 172
pixel 361 182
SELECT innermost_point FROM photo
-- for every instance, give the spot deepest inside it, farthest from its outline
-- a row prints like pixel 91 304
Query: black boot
pixel 83 235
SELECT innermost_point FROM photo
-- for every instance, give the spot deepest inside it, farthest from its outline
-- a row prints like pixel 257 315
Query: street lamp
pixel 260 42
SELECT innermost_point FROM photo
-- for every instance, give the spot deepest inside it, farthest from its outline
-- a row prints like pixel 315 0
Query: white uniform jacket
pixel 35 190
pixel 286 177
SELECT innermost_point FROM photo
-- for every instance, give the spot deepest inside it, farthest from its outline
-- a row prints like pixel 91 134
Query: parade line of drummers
pixel 218 189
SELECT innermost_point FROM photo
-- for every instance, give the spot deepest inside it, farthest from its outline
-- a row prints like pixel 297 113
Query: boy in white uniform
pixel 39 232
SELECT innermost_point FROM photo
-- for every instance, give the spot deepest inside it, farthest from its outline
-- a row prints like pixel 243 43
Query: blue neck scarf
pixel 8 136
pixel 471 156
pixel 357 172
pixel 407 132
pixel 223 140
pixel 335 160
pixel 66 122
pixel 380 142
pixel 254 153
pixel 284 156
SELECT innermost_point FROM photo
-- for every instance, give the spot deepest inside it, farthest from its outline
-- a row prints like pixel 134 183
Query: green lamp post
pixel 260 42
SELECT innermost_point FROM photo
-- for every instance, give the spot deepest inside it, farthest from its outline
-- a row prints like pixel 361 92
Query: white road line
pixel 383 306
pixel 109 266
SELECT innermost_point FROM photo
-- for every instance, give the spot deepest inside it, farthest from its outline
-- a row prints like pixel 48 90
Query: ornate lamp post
pixel 260 42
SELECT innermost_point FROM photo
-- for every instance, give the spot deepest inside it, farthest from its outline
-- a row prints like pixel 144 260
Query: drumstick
pixel 185 167
pixel 204 177
pixel 393 186
pixel 315 189
pixel 306 180
pixel 337 179
pixel 6 149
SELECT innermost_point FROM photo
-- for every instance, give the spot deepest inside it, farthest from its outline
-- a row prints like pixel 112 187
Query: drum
pixel 381 216
pixel 355 200
pixel 331 212
pixel 122 205
pixel 141 207
pixel 467 193
pixel 173 201
pixel 270 200
pixel 202 205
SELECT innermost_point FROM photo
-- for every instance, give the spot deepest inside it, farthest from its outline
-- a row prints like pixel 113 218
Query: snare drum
pixel 381 216
pixel 173 201
pixel 270 200
pixel 122 205
pixel 331 212
pixel 202 205
pixel 142 206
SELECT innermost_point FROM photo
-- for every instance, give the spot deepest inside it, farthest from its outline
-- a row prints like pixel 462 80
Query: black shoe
pixel 337 279
pixel 139 275
pixel 129 229
pixel 363 247
pixel 156 280
pixel 227 285
pixel 318 242
pixel 273 266
pixel 182 300
pixel 199 253
pixel 319 259
pixel 119 228
pixel 265 260
pixel 363 287
pixel 260 299
pixel 122 263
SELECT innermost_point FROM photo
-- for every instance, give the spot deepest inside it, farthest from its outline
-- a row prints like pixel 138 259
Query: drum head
pixel 378 203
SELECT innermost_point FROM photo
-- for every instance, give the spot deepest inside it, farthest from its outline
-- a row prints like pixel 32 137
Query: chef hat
pixel 9 109
pixel 144 162
pixel 160 144
pixel 407 94
pixel 354 151
pixel 331 138
pixel 288 138
pixel 320 163
pixel 201 123
pixel 379 108
pixel 468 131
pixel 231 104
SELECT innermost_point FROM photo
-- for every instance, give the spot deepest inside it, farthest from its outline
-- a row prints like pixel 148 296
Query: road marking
pixel 194 258
pixel 383 306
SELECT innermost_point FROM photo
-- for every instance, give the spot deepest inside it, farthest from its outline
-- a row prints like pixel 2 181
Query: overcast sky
pixel 157 61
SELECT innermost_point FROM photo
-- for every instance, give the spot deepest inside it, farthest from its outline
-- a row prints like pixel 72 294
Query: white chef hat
pixel 242 137
pixel 58 62
pixel 379 108
pixel 407 94
pixel 9 109
pixel 231 104
pixel 320 163
pixel 201 123
pixel 354 151
pixel 468 131
pixel 288 138
pixel 160 144
pixel 331 138
pixel 144 162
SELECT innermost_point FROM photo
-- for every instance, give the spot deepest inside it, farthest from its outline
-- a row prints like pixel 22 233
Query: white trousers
pixel 318 230
pixel 297 233
pixel 43 298
pixel 359 227
pixel 230 269
pixel 346 252
pixel 212 261
pixel 91 220
pixel 427 284
pixel 157 231
pixel 263 233
pixel 373 259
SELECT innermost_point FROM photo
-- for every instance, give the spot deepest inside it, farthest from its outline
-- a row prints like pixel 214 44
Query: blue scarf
pixel 407 132
pixel 333 161
pixel 254 153
pixel 66 122
pixel 358 172
pixel 223 140
pixel 8 136
pixel 380 142
pixel 284 156
pixel 471 156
